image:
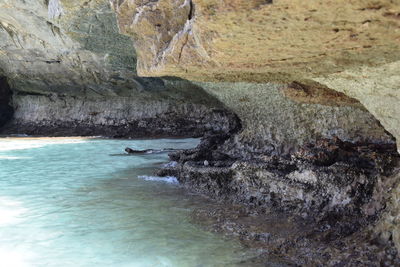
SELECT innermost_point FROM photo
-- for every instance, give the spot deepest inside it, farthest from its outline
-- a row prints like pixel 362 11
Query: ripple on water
pixel 68 202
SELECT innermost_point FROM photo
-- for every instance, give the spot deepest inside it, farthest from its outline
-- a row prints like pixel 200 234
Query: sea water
pixel 83 202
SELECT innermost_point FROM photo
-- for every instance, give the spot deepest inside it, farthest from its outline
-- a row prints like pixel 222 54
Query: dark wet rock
pixel 6 111
pixel 134 151
pixel 147 151
pixel 313 207
pixel 153 115
pixel 327 176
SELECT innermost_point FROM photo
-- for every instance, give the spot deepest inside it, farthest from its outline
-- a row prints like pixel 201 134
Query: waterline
pixel 72 202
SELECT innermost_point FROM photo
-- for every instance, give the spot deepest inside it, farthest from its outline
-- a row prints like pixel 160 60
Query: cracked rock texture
pixel 234 47
pixel 349 46
pixel 66 47
pixel 71 72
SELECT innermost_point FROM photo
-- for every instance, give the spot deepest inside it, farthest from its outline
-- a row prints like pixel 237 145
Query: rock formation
pixel 319 53
pixel 350 46
pixel 73 73
pixel 298 100
pixel 6 111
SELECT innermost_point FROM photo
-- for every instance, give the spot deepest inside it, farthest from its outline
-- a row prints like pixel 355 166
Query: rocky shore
pixel 118 117
pixel 315 206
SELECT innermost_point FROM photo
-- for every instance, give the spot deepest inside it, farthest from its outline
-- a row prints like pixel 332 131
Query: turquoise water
pixel 76 202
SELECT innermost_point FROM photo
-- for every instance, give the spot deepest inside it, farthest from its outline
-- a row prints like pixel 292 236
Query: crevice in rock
pixel 6 111
pixel 191 10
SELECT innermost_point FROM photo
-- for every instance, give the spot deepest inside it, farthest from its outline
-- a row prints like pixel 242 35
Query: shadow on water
pixel 79 206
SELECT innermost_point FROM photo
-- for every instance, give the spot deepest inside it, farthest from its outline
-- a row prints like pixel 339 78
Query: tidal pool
pixel 79 202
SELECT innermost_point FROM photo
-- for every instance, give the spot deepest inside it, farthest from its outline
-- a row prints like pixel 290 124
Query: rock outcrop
pixel 307 49
pixel 299 100
pixel 72 73
pixel 331 190
pixel 349 46
pixel 171 112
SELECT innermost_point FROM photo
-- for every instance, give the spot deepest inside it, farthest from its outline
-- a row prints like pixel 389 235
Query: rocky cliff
pixel 316 54
pixel 349 46
pixel 299 100
pixel 72 73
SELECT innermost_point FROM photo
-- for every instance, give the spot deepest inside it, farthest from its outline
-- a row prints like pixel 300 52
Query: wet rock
pixel 6 111
pixel 328 194
pixel 171 113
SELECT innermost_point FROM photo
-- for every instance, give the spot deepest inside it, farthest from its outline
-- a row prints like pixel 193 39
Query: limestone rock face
pixel 350 46
pixel 274 123
pixel 66 47
pixel 293 71
pixel 175 111
pixel 71 72
pixel 377 88
pixel 251 39
pixel 235 47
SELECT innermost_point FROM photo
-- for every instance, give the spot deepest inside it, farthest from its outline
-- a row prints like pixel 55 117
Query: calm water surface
pixel 76 202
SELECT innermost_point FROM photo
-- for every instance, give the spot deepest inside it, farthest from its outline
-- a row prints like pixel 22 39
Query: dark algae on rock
pixel 311 207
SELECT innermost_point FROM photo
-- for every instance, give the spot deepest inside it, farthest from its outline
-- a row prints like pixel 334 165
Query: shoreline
pixel 91 137
pixel 281 230
pixel 329 195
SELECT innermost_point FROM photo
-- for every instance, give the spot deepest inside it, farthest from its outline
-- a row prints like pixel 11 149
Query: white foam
pixel 13 144
pixel 167 179
pixel 10 211
pixel 11 257
pixel 171 164
pixel 13 158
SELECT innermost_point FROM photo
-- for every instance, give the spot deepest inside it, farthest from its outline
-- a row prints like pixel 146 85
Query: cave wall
pixel 6 111
pixel 75 51
pixel 349 46
pixel 75 48
pixel 377 88
pixel 233 48
pixel 179 110
pixel 275 123
pixel 72 69
pixel 66 61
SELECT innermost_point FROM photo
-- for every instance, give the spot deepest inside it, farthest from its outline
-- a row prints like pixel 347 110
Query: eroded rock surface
pixel 328 193
pixel 275 123
pixel 349 46
pixel 170 112
pixel 72 73
pixel 233 48
pixel 71 51
pixel 220 40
